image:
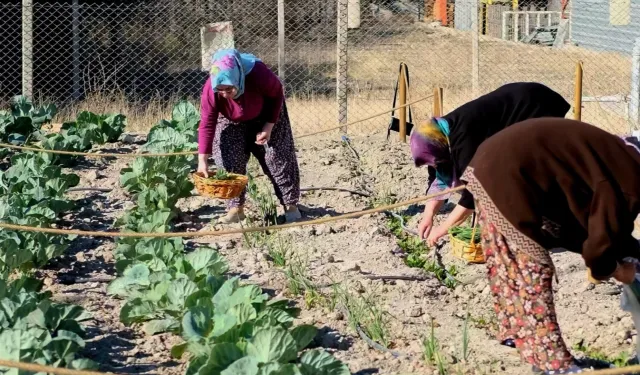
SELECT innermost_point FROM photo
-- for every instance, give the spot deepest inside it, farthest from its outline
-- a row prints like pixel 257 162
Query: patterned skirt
pixel 520 277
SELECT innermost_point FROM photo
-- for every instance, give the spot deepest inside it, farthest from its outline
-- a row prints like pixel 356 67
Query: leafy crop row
pixel 228 327
pixel 32 327
pixel 23 124
pixel 32 193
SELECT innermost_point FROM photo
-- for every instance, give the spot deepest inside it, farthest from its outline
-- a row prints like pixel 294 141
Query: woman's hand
pixel 456 217
pixel 265 135
pixel 426 224
pixel 625 272
pixel 203 164
pixel 424 228
pixel 436 234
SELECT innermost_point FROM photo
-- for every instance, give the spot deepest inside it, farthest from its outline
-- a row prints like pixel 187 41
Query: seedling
pixel 364 312
pixel 417 251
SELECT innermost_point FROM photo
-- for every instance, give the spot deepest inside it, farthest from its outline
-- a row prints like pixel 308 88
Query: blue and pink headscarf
pixel 230 67
pixel 430 146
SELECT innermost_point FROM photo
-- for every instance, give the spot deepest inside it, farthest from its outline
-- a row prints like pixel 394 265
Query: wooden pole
pixel 281 35
pixel 402 100
pixel 75 27
pixel 437 102
pixel 341 76
pixel 27 48
pixel 475 50
pixel 577 94
pixel 354 14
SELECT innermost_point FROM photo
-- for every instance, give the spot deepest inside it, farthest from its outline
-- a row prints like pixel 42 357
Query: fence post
pixel 354 14
pixel 75 25
pixel 475 50
pixel 281 33
pixel 27 48
pixel 634 104
pixel 577 93
pixel 437 102
pixel 341 84
pixel 402 100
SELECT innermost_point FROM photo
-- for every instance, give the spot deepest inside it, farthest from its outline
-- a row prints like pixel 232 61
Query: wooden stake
pixel 437 101
pixel 402 99
pixel 577 94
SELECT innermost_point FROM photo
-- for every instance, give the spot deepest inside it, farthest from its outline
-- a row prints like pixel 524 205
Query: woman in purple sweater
pixel 243 113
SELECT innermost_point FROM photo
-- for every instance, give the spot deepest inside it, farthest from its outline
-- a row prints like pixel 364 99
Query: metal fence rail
pixel 339 59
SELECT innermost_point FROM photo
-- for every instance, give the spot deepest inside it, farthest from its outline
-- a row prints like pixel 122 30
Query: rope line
pixel 186 153
pixel 36 368
pixel 65 371
pixel 350 215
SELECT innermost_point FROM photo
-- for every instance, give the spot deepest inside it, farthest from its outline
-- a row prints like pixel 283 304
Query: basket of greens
pixel 465 242
pixel 220 184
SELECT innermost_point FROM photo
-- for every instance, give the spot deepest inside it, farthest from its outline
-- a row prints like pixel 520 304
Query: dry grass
pixel 436 57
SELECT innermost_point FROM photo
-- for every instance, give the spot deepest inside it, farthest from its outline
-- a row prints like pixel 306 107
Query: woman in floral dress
pixel 543 184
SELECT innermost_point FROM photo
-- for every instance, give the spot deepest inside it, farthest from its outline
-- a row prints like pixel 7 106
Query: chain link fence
pixel 340 58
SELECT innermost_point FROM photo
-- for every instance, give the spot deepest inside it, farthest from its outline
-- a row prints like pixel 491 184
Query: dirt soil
pixel 347 251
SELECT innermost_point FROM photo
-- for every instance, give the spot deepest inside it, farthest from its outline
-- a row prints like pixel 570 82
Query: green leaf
pixel 177 351
pixel 221 356
pixel 138 274
pixel 272 344
pixel 83 364
pixel 136 311
pixel 303 335
pixel 197 323
pixel 161 325
pixel 319 362
pixel 185 111
pixel 179 290
pixel 195 364
pixel 243 366
pixel 279 369
pixel 207 259
pixel 243 313
pixel 279 316
pixel 222 324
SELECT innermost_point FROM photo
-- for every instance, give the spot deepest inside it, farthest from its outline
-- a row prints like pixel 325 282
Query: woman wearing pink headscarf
pixel 243 113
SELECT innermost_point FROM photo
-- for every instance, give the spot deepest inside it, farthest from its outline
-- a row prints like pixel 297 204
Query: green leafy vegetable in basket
pixel 221 174
pixel 464 233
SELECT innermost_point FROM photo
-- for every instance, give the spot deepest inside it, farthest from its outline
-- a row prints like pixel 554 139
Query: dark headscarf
pixel 474 122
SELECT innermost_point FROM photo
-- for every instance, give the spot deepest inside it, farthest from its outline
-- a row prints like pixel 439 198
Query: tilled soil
pixel 349 252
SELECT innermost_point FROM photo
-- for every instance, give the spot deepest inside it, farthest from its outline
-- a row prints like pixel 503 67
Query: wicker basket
pixel 221 189
pixel 471 252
